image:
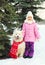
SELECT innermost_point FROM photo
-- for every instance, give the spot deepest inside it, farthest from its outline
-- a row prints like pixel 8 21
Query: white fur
pixel 21 47
pixel 29 22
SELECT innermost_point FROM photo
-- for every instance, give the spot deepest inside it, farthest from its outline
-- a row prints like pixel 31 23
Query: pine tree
pixel 7 17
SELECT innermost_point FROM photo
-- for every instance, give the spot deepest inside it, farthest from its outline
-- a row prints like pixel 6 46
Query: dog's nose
pixel 17 37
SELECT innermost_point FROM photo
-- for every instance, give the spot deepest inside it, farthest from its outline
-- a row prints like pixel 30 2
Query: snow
pixel 41 12
pixel 39 55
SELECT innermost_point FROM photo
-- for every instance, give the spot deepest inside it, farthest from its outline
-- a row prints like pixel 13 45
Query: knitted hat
pixel 29 14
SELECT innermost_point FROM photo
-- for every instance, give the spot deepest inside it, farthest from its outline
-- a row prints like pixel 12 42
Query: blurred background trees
pixel 12 15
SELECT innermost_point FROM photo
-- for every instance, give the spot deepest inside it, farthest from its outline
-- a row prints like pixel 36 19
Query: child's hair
pixel 29 14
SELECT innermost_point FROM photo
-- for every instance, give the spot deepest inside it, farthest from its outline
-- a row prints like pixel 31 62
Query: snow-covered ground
pixel 39 55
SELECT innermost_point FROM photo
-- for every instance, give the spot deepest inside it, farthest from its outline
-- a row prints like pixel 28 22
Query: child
pixel 30 34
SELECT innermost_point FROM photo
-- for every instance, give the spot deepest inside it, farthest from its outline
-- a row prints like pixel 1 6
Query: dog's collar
pixel 18 42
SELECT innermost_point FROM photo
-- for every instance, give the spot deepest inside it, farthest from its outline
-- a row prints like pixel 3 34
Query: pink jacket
pixel 30 32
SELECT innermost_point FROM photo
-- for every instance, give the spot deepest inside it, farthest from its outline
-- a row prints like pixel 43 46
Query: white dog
pixel 18 37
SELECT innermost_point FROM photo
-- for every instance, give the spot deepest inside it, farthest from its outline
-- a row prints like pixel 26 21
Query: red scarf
pixel 14 49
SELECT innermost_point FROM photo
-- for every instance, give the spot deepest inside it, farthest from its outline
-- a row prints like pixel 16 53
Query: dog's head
pixel 17 35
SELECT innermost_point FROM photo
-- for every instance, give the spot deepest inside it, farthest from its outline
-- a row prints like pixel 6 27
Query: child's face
pixel 29 18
